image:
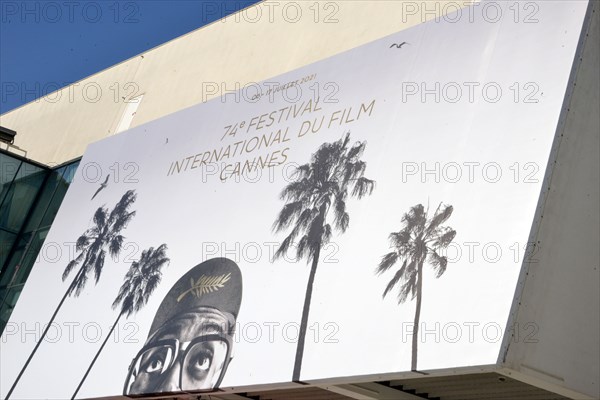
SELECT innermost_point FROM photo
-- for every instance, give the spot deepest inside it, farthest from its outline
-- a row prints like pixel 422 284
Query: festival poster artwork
pixel 365 214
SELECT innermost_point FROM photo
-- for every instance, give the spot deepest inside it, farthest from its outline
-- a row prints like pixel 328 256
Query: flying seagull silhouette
pixel 102 186
pixel 399 46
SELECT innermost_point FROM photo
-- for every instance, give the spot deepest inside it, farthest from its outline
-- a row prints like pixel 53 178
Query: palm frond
pixel 82 242
pixel 71 265
pixel 283 247
pixel 79 283
pixel 446 237
pixel 397 276
pixel 128 305
pixel 121 221
pixel 401 240
pixel 416 218
pixel 123 290
pixel 363 187
pixel 303 248
pixel 411 268
pixel 441 215
pixel 303 171
pixel 307 217
pixel 387 262
pixel 100 216
pixel 341 217
pixel 160 251
pixel 152 283
pixel 298 191
pixel 99 265
pixel 115 245
pixel 287 215
pixel 327 234
pixel 439 263
pixel 356 150
pixel 344 141
pixel 123 204
pixel 354 170
pixel 408 289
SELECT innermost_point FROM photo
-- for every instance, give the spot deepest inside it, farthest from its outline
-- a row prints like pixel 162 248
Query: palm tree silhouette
pixel 334 172
pixel 420 239
pixel 140 281
pixel 91 245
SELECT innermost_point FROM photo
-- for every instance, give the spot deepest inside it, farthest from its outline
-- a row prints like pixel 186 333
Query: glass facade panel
pixel 30 200
pixel 20 196
pixel 64 177
pixel 9 167
pixel 45 199
pixel 7 240
pixel 11 295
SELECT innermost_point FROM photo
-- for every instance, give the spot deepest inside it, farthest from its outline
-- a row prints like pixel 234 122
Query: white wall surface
pixel 561 293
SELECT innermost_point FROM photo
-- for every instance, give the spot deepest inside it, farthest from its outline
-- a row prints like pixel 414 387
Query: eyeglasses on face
pixel 202 364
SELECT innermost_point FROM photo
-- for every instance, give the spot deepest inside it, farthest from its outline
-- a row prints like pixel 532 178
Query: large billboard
pixel 365 214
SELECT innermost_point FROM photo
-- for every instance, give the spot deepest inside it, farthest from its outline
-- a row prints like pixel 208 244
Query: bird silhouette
pixel 399 46
pixel 102 186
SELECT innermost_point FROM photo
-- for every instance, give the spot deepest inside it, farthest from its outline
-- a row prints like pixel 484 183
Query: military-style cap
pixel 214 283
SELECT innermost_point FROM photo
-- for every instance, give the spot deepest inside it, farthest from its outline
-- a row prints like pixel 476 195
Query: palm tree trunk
pixel 304 321
pixel 415 337
pixel 96 356
pixel 37 345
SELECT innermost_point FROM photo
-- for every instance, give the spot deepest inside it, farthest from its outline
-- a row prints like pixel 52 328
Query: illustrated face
pixel 189 352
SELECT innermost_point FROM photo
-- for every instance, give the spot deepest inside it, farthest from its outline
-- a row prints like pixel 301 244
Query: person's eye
pixel 154 364
pixel 202 361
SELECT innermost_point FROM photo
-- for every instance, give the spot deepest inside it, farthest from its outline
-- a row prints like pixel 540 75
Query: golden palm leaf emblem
pixel 205 284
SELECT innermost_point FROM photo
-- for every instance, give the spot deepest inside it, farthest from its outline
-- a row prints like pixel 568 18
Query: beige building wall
pixel 255 44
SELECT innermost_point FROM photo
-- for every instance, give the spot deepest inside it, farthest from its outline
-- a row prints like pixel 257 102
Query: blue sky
pixel 45 45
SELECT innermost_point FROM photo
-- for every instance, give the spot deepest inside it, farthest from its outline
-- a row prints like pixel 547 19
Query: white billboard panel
pixel 304 227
